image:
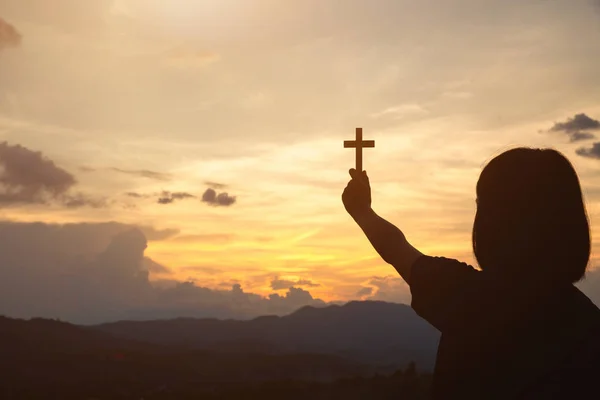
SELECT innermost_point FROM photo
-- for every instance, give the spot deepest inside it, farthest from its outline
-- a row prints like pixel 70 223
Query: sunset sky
pixel 216 126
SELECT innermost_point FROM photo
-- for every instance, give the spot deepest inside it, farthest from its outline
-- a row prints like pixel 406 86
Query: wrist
pixel 363 215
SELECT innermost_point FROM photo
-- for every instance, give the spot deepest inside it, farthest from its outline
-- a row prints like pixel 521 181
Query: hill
pixel 375 333
pixel 52 359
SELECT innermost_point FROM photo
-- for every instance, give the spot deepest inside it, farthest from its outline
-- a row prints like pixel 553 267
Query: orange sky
pixel 259 95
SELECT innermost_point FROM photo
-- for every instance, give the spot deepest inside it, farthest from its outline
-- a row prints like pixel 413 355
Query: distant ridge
pixel 42 358
pixel 372 332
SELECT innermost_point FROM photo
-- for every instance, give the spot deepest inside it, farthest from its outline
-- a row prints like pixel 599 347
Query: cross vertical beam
pixel 359 144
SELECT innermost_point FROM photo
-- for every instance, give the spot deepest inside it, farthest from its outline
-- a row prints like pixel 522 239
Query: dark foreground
pixel 401 385
pixel 47 359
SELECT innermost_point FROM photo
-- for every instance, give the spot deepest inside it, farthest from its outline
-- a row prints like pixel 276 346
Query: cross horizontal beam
pixel 352 144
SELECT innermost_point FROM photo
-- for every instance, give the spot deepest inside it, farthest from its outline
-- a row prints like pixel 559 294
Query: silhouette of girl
pixel 519 328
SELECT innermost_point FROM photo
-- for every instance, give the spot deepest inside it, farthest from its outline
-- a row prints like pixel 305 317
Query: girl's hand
pixel 357 195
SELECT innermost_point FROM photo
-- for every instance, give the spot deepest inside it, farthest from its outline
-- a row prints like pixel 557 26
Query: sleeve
pixel 441 289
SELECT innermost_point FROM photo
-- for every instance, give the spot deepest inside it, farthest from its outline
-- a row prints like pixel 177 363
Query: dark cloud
pixel 28 177
pixel 211 197
pixel 169 197
pixel 72 239
pixel 282 284
pixel 9 36
pixel 578 123
pixel 92 273
pixel 135 195
pixel 580 136
pixel 81 200
pixel 590 152
pixel 144 173
pixel 576 128
pixel 365 291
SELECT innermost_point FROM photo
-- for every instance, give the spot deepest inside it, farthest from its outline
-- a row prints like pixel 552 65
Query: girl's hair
pixel 531 221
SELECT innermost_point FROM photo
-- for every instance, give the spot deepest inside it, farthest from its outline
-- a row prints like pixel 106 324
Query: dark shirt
pixel 502 340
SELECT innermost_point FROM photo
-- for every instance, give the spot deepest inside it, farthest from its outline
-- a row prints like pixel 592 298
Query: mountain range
pixel 369 332
pixel 42 358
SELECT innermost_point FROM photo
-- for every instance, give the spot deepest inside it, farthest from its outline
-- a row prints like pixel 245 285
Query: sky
pixel 166 158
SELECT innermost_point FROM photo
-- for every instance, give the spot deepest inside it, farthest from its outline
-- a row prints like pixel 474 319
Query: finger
pixel 352 173
pixel 365 176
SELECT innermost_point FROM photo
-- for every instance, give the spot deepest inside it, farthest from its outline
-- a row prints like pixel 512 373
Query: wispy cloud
pixel 144 173
pixel 170 197
pixel 215 185
pixel 284 284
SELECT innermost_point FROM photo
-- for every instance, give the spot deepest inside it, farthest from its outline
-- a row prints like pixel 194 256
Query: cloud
pixel 389 288
pixel 152 233
pixel 580 136
pixel 211 197
pixel 365 291
pixel 590 152
pixel 294 299
pixel 72 239
pixel 81 200
pixel 28 177
pixel 144 173
pixel 168 197
pixel 92 273
pixel 215 185
pixel 9 36
pixel 282 284
pixel 135 195
pixel 576 128
pixel 156 268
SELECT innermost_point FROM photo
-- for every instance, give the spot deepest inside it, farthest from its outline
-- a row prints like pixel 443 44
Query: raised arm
pixel 387 239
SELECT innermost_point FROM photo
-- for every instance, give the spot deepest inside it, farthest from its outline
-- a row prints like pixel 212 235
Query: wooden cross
pixel 359 144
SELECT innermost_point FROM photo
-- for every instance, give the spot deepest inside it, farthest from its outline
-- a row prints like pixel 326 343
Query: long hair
pixel 531 220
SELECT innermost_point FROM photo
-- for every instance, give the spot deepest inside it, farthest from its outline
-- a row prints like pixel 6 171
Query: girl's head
pixel 531 220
